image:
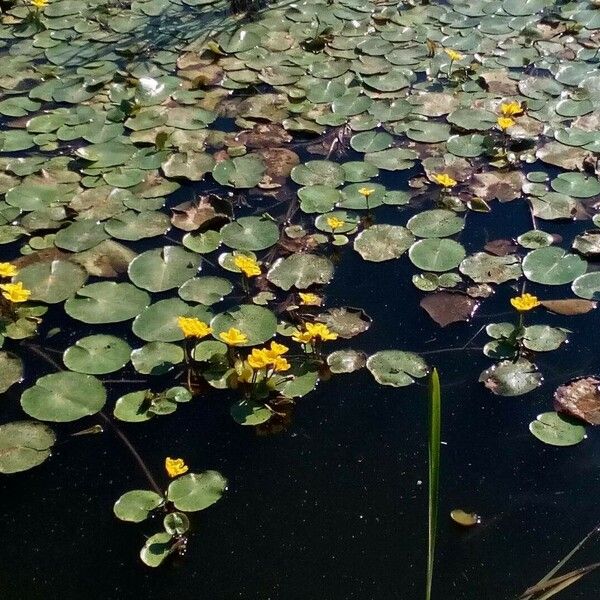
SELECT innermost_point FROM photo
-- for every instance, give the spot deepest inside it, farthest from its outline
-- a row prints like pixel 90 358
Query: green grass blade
pixel 435 426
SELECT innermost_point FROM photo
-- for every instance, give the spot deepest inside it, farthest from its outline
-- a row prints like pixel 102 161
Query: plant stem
pixel 140 461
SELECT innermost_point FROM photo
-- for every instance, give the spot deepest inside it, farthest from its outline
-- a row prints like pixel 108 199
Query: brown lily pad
pixel 570 306
pixel 449 307
pixel 205 212
pixel 501 247
pixel 580 398
pixel 346 321
pixel 498 185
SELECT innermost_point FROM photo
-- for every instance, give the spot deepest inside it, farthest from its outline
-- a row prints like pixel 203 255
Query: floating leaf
pixel 164 268
pixel 97 354
pixel 508 378
pixel 156 549
pixel 136 505
pixel 551 428
pixel 396 368
pixel 250 233
pixel 196 491
pixel 64 397
pixel 248 412
pixel 259 324
pixel 346 361
pixel 553 266
pixel 11 370
pixel 435 223
pixel 52 282
pixel 24 445
pixel 434 254
pixel 580 398
pixel 301 271
pixel 383 242
pixel 485 268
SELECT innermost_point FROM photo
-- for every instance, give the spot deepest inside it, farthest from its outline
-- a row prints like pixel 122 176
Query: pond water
pixel 385 158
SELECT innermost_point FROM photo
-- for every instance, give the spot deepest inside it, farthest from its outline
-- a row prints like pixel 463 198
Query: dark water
pixel 336 507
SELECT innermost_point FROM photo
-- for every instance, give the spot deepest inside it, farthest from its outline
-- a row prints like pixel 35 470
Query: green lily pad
pixel 383 242
pixel 250 233
pixel 64 397
pixel 156 549
pixel 205 290
pixel 240 172
pixel 156 358
pixel 318 172
pixel 107 302
pixel 52 282
pixel 396 367
pixel 97 354
pixel 258 323
pixel 553 266
pixel 346 361
pixel 132 225
pixel 301 271
pixel 435 223
pixel 158 322
pixel 587 286
pixel 136 505
pixel 163 269
pixel 24 445
pixel 196 491
pixel 436 254
pixel 81 235
pixel 535 239
pixel 553 429
pixel 577 185
pixel 11 370
pixel 510 378
pixel 248 412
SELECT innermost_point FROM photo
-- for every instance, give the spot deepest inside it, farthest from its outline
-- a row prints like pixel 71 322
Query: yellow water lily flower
pixel 525 302
pixel 39 4
pixel 444 180
pixel 511 109
pixel 259 358
pixel 193 327
pixel 233 337
pixel 247 265
pixel 335 223
pixel 453 54
pixel 175 466
pixel 278 349
pixel 366 192
pixel 505 122
pixel 314 331
pixel 15 292
pixel 7 269
pixel 281 364
pixel 245 373
pixel 310 299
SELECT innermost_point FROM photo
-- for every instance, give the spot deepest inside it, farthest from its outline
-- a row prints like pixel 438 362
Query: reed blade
pixel 435 420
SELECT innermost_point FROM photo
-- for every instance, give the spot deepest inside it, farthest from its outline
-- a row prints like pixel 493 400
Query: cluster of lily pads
pixel 155 195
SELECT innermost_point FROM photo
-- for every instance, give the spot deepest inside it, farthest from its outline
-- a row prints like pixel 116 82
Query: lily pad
pixel 553 266
pixel 396 367
pixel 383 242
pixel 52 282
pixel 24 445
pixel 552 429
pixel 136 505
pixel 196 491
pixel 509 378
pixel 259 324
pixel 11 370
pixel 435 223
pixel 64 397
pixel 482 267
pixel 250 233
pixel 301 271
pixel 435 254
pixel 97 354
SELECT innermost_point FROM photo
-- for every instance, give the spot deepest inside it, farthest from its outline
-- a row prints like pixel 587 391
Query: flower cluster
pixel 13 292
pixel 270 358
pixel 233 337
pixel 508 110
pixel 314 332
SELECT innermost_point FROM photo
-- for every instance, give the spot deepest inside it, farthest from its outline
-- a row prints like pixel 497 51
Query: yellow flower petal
pixel 175 466
pixel 335 223
pixel 233 337
pixel 193 327
pixel 247 265
pixel 453 54
pixel 365 191
pixel 525 302
pixel 444 180
pixel 7 269
pixel 310 299
pixel 15 292
pixel 511 109
pixel 505 122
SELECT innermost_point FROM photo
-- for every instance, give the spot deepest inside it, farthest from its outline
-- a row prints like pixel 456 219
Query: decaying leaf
pixel 580 398
pixel 449 307
pixel 571 306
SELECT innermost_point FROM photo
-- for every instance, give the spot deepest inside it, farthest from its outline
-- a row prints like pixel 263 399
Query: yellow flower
pixel 444 180
pixel 259 358
pixel 314 331
pixel 278 349
pixel 247 265
pixel 525 302
pixel 366 192
pixel 233 337
pixel 7 270
pixel 335 223
pixel 175 466
pixel 39 4
pixel 280 364
pixel 15 292
pixel 453 54
pixel 245 373
pixel 193 327
pixel 310 299
pixel 511 109
pixel 505 122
